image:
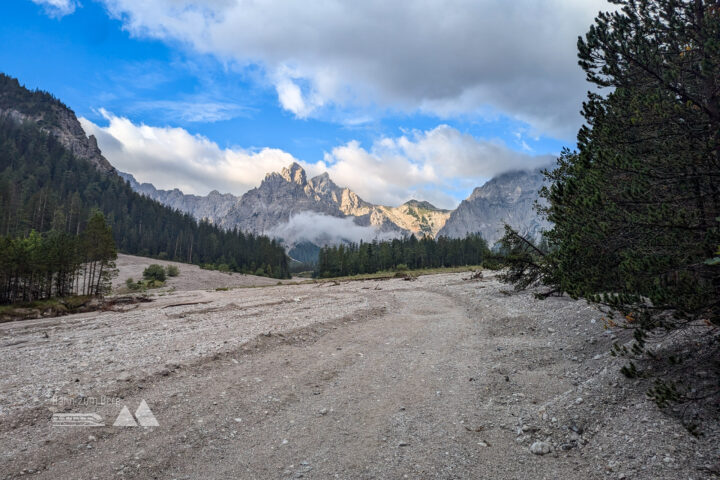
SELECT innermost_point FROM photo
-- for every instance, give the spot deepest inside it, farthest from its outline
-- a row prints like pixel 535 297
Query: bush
pixel 154 272
pixel 172 271
pixel 401 267
pixel 131 284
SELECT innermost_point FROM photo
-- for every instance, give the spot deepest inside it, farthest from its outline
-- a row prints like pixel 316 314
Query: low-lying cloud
pixel 327 230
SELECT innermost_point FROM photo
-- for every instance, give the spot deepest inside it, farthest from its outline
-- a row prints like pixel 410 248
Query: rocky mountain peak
pixel 322 185
pixel 294 174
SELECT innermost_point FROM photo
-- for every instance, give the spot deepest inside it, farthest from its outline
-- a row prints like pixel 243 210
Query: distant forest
pixel 400 254
pixel 43 187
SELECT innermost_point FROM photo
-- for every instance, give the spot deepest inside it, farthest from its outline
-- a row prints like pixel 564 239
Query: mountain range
pixel 283 197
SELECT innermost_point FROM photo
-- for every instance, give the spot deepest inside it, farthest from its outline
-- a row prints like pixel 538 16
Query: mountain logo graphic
pixel 143 414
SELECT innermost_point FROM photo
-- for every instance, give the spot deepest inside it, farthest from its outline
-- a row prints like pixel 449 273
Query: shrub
pixel 131 284
pixel 172 271
pixel 154 272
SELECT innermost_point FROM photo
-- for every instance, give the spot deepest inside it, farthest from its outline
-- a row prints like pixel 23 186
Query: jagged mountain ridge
pixel 212 207
pixel 280 195
pixel 289 192
pixel 508 198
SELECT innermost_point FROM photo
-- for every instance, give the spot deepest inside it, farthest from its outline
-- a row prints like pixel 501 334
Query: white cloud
pixel 447 57
pixel 429 165
pixel 58 8
pixel 192 111
pixel 423 164
pixel 174 158
pixel 326 230
pixel 291 98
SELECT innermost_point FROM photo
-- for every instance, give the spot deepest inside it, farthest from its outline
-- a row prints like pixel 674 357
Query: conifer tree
pixel 635 209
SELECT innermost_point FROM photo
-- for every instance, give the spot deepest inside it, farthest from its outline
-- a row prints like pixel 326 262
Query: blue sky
pixel 176 98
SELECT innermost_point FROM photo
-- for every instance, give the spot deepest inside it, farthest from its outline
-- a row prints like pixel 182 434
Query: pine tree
pixel 635 209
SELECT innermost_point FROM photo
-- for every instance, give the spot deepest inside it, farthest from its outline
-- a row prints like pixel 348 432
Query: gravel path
pixel 436 378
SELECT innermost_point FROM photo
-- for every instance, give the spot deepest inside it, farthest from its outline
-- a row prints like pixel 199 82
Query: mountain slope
pixel 51 116
pixel 419 217
pixel 508 198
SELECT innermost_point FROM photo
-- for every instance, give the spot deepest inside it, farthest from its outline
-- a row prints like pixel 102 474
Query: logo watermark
pixel 143 414
pixel 77 420
pixel 143 417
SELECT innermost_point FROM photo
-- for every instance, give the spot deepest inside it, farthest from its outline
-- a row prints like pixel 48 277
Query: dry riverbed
pixel 435 378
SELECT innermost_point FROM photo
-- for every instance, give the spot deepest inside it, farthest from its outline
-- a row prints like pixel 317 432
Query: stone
pixel 540 448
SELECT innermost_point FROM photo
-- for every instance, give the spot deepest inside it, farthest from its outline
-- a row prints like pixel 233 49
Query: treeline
pixel 44 187
pixel 407 253
pixel 57 264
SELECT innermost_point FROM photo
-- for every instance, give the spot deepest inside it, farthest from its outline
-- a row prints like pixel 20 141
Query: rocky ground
pixel 436 378
pixel 191 277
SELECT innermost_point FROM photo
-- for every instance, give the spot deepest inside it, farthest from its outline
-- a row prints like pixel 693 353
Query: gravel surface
pixel 191 277
pixel 436 378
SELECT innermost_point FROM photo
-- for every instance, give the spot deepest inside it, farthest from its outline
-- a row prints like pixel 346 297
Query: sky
pixel 395 99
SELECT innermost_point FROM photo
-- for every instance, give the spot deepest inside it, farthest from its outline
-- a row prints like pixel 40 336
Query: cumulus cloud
pixel 326 230
pixel 428 165
pixel 174 158
pixel 444 57
pixel 423 164
pixel 57 8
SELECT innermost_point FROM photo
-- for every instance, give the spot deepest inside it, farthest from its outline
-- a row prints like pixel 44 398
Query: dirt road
pixel 437 378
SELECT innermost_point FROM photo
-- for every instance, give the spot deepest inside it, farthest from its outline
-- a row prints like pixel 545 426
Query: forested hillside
pixel 44 187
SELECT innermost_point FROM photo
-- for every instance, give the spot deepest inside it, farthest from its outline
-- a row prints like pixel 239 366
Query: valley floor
pixel 436 378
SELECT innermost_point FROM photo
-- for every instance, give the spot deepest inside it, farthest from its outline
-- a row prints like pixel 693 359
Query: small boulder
pixel 540 448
